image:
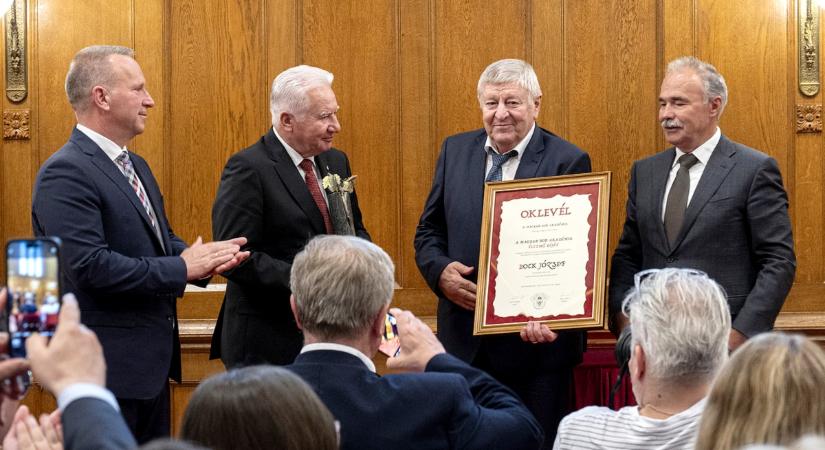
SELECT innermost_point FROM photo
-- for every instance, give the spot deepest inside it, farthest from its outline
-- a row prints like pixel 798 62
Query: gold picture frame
pixel 539 238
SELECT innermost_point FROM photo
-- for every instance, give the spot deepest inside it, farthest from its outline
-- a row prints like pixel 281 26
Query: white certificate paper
pixel 543 256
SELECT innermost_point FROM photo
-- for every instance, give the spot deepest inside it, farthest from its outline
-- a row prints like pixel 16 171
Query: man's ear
pixel 287 121
pixel 537 105
pixel 100 97
pixel 379 322
pixel 638 367
pixel 295 311
pixel 715 106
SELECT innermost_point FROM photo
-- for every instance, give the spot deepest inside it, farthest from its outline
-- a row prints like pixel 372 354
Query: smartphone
pixel 33 290
pixel 390 344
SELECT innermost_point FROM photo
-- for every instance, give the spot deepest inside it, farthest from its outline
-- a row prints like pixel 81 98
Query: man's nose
pixel 335 126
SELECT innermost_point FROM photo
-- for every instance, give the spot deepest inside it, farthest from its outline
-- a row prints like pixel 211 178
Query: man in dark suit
pixel 707 203
pixel 341 291
pixel 272 193
pixel 119 254
pixel 447 239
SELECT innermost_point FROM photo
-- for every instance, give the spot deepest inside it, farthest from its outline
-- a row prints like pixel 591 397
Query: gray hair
pixel 508 71
pixel 713 83
pixel 91 67
pixel 680 318
pixel 290 87
pixel 340 283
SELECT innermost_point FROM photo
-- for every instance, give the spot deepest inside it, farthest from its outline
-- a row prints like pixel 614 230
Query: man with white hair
pixel 707 203
pixel 680 324
pixel 272 192
pixel 341 291
pixel 510 146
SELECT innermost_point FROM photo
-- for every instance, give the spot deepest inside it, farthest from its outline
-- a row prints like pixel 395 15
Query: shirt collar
pixel 293 154
pixel 340 348
pixel 108 146
pixel 702 152
pixel 519 148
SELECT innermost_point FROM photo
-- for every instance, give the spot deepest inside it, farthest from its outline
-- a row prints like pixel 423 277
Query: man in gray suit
pixel 707 203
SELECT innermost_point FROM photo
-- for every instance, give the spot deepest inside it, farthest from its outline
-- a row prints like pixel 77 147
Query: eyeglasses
pixel 640 277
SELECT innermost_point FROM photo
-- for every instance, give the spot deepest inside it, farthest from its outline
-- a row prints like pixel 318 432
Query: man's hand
pixel 455 287
pixel 735 340
pixel 27 434
pixel 537 333
pixel 418 343
pixel 74 354
pixel 212 258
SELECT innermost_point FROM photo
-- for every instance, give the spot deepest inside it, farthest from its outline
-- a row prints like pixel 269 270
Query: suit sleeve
pixel 431 233
pixel 92 423
pixel 627 259
pixel 494 417
pixel 239 211
pixel 67 204
pixel 772 247
pixel 579 165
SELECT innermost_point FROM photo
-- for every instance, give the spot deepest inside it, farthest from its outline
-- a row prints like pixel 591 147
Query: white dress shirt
pixel 509 168
pixel 702 154
pixel 340 348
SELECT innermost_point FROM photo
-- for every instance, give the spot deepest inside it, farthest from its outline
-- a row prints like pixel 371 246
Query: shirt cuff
pixel 85 390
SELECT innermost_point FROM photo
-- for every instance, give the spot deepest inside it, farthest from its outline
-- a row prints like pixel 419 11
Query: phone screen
pixel 390 345
pixel 33 282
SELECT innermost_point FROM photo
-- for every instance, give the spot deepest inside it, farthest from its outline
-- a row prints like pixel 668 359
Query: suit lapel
pixel 531 159
pixel 719 166
pixel 107 166
pixel 476 173
pixel 295 185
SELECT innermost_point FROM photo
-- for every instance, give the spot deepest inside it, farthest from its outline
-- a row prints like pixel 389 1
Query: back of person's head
pixel 772 391
pixel 170 444
pixel 340 284
pixel 90 67
pixel 258 407
pixel 681 320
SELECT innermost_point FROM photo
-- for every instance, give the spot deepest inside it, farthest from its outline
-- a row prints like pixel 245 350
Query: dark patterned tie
pixel 498 160
pixel 677 198
pixel 129 172
pixel 315 191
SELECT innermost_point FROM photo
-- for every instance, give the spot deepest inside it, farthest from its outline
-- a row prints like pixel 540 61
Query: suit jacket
pixel 91 423
pixel 736 229
pixel 451 405
pixel 126 283
pixel 263 197
pixel 449 230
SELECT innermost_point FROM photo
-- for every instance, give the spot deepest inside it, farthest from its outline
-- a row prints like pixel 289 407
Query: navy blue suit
pixel 451 405
pixel 90 423
pixel 125 281
pixel 449 230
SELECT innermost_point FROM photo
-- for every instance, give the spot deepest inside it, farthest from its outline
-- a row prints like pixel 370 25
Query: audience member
pixel 771 392
pixel 680 325
pixel 258 407
pixel 341 290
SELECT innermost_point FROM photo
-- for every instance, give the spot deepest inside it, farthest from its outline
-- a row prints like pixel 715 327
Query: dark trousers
pixel 148 419
pixel 548 394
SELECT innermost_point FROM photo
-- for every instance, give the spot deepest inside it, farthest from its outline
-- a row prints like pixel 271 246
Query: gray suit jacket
pixel 736 229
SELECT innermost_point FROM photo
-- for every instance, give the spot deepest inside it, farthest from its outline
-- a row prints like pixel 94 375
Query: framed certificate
pixel 543 253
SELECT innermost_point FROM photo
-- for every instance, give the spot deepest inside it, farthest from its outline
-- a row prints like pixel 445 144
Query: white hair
pixel 340 283
pixel 713 83
pixel 507 71
pixel 681 319
pixel 290 87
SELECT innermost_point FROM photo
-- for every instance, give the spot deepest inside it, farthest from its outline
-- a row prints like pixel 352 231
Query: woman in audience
pixel 772 391
pixel 258 407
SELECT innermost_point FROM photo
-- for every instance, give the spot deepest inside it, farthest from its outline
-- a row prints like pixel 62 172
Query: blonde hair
pixel 772 391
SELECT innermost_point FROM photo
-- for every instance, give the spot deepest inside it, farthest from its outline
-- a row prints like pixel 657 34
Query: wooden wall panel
pixel 218 101
pixel 612 89
pixel 365 65
pixel 548 60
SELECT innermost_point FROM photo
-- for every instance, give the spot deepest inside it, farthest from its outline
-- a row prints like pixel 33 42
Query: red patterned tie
pixel 315 191
pixel 129 172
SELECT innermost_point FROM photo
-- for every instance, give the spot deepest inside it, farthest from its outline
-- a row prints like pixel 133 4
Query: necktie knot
pixel 498 160
pixel 687 160
pixel 307 166
pixel 123 159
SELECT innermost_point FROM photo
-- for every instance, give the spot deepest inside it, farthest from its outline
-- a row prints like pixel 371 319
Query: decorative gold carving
pixel 808 47
pixel 16 124
pixel 16 76
pixel 808 118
